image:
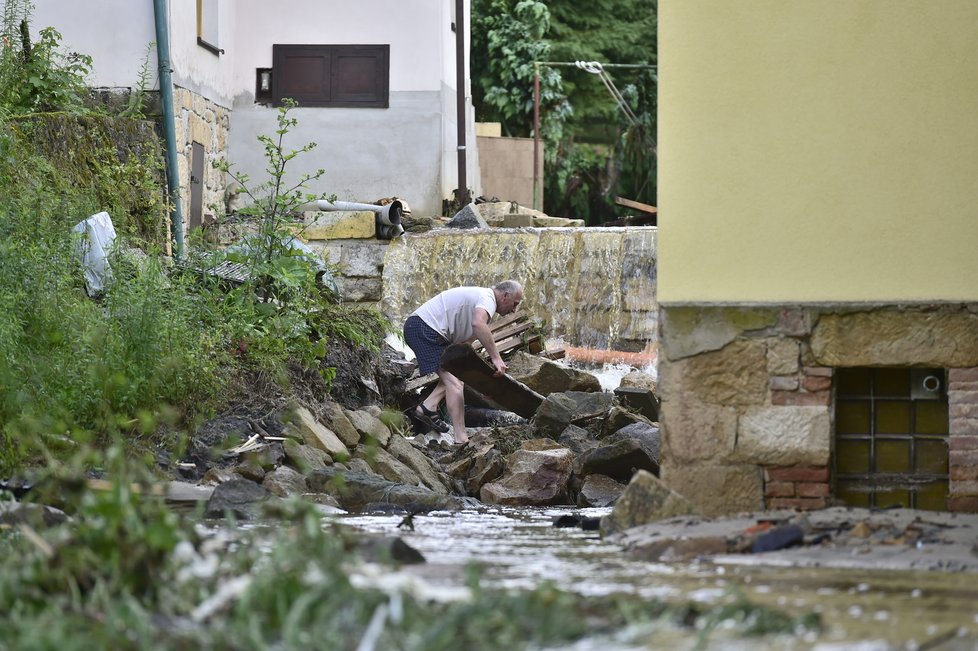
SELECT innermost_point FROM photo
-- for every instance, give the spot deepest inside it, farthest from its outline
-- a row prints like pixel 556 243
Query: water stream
pixel 520 548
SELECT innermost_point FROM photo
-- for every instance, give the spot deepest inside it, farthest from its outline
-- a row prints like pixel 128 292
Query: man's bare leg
pixel 455 403
pixel 435 397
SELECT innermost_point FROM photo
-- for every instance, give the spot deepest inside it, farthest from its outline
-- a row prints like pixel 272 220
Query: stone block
pixel 345 430
pixel 358 290
pixel 646 499
pixel 733 375
pixel 784 436
pixel 557 222
pixel 363 259
pixel 794 322
pixel 783 383
pixel 695 431
pixel 798 473
pixel 801 398
pixel 369 426
pixel 338 225
pixel 717 489
pixel 782 356
pixel 314 433
pixel 691 330
pixel 517 221
pixel 897 337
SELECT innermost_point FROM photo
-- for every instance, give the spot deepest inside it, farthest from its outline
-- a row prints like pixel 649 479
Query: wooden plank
pixel 421 382
pixel 557 353
pixel 463 362
pixel 505 335
pixel 504 321
pixel 637 205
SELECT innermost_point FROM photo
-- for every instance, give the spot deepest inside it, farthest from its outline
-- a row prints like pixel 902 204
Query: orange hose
pixel 599 356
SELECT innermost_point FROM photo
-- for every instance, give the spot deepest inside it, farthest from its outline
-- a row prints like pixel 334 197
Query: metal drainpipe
pixel 463 186
pixel 169 131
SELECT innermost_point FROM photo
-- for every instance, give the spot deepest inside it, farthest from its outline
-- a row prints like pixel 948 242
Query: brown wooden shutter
pixel 331 75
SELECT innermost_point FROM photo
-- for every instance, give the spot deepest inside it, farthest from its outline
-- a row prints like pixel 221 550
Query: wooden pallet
pixel 509 334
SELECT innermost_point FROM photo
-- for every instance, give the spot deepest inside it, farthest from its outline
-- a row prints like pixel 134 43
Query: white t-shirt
pixel 450 313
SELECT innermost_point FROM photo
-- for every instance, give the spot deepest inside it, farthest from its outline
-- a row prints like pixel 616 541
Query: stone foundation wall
pixel 747 392
pixel 197 119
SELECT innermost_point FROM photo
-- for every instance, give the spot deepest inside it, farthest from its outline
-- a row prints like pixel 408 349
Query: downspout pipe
pixel 169 129
pixel 463 186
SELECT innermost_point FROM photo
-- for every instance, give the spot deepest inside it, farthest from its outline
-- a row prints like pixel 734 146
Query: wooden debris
pixel 637 205
pixel 247 446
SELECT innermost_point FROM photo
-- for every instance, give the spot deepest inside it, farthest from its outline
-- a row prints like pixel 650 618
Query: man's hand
pixel 501 367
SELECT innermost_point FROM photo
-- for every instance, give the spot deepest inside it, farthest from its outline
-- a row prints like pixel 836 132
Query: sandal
pixel 431 419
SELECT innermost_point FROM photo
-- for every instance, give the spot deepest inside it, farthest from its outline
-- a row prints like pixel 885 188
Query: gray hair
pixel 508 287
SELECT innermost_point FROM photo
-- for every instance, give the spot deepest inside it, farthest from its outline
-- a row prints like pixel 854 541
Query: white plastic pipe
pixel 390 215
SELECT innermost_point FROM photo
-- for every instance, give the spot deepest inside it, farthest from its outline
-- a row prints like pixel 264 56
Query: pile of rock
pixel 580 448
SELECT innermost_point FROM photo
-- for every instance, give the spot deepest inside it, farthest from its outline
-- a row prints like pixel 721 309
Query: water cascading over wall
pixel 590 287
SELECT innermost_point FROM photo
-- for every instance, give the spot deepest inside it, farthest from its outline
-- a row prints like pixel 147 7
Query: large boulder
pixel 369 425
pixel 37 516
pixel 240 497
pixel 476 466
pixel 536 475
pixel 304 426
pixel 387 465
pixel 340 424
pixel 578 439
pixel 634 447
pixel 284 481
pixel 645 500
pixel 619 417
pixel 305 458
pixel 599 491
pixel 558 410
pixel 546 377
pixel 355 491
pixel 417 461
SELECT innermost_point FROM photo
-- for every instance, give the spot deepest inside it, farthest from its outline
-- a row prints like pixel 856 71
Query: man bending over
pixel 458 315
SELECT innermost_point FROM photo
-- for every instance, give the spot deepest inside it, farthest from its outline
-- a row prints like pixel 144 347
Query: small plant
pixel 134 108
pixel 283 313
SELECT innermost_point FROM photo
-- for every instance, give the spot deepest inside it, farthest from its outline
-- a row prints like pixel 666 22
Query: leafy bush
pixel 38 76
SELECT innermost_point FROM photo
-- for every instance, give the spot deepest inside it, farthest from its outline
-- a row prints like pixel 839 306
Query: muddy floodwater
pixel 520 548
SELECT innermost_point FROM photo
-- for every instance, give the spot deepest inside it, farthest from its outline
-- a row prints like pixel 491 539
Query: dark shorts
pixel 426 343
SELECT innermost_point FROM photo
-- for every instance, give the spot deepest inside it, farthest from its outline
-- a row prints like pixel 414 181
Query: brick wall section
pixel 962 401
pixel 796 487
pixel 811 386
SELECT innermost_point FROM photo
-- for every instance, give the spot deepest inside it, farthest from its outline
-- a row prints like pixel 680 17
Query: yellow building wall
pixel 818 151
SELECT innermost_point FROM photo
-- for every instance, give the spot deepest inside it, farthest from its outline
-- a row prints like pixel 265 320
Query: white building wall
pixel 407 150
pixel 116 35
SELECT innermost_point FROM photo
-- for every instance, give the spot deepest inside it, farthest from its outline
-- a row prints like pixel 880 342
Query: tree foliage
pixel 592 152
pixel 507 39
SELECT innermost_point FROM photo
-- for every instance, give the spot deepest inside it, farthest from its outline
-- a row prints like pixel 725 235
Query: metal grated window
pixel 891 437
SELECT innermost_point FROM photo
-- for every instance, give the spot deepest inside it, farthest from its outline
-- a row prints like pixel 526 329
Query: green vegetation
pixel 162 347
pixel 593 153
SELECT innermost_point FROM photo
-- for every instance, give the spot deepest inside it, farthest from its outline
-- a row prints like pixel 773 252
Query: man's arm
pixel 480 328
